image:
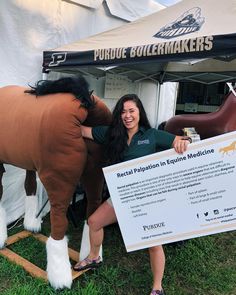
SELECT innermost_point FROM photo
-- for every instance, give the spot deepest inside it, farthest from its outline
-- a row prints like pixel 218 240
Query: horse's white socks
pixel 32 223
pixel 58 264
pixel 85 244
pixel 3 227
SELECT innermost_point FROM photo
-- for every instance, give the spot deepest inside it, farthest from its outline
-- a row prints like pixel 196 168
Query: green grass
pixel 202 266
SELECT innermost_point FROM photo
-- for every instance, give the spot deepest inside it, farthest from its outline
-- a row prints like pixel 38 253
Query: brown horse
pixel 40 132
pixel 207 125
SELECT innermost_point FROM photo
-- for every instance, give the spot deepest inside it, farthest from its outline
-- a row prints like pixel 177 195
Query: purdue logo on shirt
pixel 145 141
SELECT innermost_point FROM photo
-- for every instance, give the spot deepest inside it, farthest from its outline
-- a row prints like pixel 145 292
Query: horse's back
pixel 207 125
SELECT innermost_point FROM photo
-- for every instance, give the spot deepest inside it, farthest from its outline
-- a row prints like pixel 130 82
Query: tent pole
pixel 157 104
pixel 45 74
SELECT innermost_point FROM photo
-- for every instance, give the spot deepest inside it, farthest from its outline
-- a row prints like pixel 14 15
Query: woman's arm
pixel 181 143
pixel 86 132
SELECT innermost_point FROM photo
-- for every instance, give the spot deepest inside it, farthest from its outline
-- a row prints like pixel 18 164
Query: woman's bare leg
pixel 157 261
pixel 103 216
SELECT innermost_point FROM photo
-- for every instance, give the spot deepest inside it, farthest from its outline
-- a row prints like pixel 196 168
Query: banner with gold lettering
pixel 184 32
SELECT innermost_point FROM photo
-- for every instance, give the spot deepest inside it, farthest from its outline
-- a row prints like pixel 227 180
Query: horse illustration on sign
pixel 228 148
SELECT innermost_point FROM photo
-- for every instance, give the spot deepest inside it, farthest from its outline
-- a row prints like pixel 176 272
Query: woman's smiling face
pixel 130 116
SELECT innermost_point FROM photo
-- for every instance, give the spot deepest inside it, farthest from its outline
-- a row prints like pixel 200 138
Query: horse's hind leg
pixel 3 222
pixel 60 193
pixel 31 222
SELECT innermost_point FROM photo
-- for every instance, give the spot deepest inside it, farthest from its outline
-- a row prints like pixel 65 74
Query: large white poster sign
pixel 167 197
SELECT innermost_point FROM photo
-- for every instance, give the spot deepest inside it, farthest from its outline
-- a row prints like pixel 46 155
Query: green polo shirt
pixel 143 143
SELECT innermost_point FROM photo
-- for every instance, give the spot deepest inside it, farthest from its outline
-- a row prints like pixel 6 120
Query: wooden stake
pixel 31 268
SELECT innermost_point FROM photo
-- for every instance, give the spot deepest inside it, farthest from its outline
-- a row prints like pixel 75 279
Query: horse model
pixel 40 132
pixel 207 125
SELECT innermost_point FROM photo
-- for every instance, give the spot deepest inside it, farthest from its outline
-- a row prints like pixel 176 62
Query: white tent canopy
pixel 191 40
pixel 27 28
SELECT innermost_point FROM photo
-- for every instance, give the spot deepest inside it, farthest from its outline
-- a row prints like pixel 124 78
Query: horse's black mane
pixel 78 86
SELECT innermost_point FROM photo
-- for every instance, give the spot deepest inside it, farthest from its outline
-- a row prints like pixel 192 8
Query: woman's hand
pixel 86 132
pixel 181 143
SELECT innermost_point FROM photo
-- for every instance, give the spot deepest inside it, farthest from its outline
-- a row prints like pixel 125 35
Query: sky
pixel 167 2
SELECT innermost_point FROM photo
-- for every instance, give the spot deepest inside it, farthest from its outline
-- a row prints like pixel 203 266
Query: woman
pixel 129 136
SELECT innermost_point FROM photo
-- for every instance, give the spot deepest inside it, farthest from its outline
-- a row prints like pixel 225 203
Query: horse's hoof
pixel 31 223
pixel 58 263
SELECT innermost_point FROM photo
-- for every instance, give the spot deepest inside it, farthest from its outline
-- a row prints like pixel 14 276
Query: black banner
pixel 195 48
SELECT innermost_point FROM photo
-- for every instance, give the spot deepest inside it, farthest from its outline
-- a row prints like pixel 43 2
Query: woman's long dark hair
pixel 77 85
pixel 117 133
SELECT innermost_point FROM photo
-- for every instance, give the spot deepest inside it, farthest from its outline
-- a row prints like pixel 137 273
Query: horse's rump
pixel 33 130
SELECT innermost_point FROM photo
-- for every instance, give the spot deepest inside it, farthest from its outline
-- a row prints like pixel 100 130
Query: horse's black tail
pixel 77 85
